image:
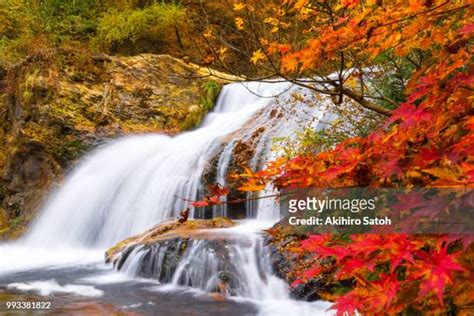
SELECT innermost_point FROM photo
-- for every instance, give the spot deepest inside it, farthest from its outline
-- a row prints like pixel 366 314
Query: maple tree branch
pixel 416 14
pixel 319 86
pixel 341 82
pixel 235 201
pixel 363 102
pixel 349 93
pixel 345 91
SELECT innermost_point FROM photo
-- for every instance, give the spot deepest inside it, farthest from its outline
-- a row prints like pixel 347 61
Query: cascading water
pixel 132 184
pixel 233 262
pixel 126 187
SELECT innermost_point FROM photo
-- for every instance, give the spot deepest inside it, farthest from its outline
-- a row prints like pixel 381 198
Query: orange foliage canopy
pixel 428 140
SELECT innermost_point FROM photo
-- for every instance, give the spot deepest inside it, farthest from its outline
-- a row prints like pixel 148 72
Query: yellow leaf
pixel 222 50
pixel 222 53
pixel 208 34
pixel 300 4
pixel 271 21
pixel 257 56
pixel 441 173
pixel 239 23
pixel 239 6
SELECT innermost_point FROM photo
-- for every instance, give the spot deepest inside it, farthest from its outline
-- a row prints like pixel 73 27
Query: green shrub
pixel 15 30
pixel 118 30
pixel 68 19
pixel 12 19
pixel 209 92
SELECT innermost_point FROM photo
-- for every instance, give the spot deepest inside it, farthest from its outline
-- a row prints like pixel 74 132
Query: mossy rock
pixel 4 220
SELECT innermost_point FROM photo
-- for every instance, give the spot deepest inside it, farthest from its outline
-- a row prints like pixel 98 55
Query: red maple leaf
pixel 314 241
pixel 407 202
pixel 200 204
pixel 383 294
pixel 426 157
pixel 313 272
pixel 218 190
pixel 436 270
pixel 339 252
pixel 296 282
pixel 467 29
pixel 348 304
pixel 352 266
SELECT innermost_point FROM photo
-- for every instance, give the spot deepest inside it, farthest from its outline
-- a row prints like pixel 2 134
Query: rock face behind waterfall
pixel 189 254
pixel 57 105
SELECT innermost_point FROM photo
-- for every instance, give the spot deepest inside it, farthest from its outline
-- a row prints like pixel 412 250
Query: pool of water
pixel 96 289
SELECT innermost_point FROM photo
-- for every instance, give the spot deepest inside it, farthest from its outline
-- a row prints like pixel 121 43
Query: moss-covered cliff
pixel 58 104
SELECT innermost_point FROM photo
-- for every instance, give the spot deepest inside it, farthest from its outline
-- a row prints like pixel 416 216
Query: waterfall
pixel 133 183
pixel 130 184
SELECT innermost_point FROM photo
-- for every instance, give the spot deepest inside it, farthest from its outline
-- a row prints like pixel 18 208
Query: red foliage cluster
pixel 427 141
pixel 391 272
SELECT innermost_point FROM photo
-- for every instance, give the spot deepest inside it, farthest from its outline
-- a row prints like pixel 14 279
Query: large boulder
pixel 194 253
pixel 168 230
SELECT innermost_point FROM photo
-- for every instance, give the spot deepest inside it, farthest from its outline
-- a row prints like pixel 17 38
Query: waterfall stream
pixel 131 184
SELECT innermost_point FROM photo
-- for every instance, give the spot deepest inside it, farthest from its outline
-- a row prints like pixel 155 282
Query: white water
pixel 248 262
pixel 49 287
pixel 250 266
pixel 132 184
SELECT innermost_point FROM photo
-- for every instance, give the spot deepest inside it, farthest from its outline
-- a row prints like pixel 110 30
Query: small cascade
pixel 230 261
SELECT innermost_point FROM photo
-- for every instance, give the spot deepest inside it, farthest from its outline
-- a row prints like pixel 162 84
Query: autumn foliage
pixel 393 273
pixel 214 196
pixel 427 141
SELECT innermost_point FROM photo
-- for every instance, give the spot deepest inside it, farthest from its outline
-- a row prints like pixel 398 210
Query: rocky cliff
pixel 58 104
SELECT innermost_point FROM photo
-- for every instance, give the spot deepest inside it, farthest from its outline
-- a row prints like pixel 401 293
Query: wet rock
pixel 282 240
pixel 169 230
pixel 243 152
pixel 29 166
pixel 187 254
